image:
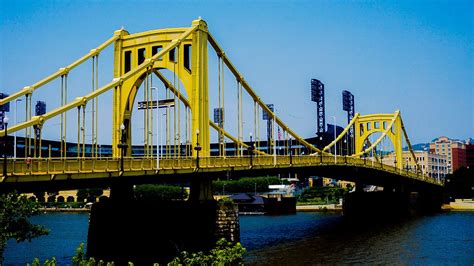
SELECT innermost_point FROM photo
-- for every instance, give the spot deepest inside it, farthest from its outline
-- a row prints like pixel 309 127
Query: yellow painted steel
pixel 254 96
pixel 388 124
pixel 136 56
pixel 40 170
pixel 212 124
pixel 62 71
pixel 194 80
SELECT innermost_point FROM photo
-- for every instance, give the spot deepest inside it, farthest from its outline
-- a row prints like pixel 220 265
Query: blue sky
pixel 416 56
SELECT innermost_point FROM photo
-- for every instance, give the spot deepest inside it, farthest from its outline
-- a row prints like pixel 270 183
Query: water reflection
pixel 312 238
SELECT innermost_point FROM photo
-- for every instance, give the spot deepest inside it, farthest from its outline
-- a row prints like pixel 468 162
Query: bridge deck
pixel 42 170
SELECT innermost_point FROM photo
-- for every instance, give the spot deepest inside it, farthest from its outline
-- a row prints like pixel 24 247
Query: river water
pixel 301 239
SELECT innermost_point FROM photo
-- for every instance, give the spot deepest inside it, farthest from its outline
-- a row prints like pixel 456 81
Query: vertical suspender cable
pixel 26 129
pixel 65 116
pixel 175 103
pixel 257 136
pixel 186 130
pixel 254 121
pixel 241 120
pixel 148 106
pixel 145 118
pixel 179 102
pixel 238 120
pixel 62 116
pixel 150 114
pixel 96 140
pixel 223 108
pixel 167 125
pixel 93 108
pixel 29 128
pixel 219 135
pixel 78 131
pixel 83 131
pixel 152 129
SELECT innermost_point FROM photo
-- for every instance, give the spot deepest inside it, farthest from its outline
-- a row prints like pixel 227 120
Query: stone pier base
pixel 145 232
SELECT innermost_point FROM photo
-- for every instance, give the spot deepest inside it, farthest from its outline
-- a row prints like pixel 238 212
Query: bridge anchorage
pixel 188 152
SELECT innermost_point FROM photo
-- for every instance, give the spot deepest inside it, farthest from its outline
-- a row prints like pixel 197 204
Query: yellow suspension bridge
pixel 184 52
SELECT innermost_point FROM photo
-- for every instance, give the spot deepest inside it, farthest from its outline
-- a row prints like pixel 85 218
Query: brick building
pixel 455 151
pixel 470 153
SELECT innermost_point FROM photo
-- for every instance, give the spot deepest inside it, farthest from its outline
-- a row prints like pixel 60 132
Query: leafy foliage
pixel 247 184
pixel 160 192
pixel 15 211
pixel 225 253
pixel 321 195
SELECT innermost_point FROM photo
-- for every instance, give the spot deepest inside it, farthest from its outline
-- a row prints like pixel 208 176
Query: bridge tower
pixel 388 124
pixel 186 58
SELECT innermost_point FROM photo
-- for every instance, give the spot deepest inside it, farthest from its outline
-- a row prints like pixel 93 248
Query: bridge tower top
pixel 183 51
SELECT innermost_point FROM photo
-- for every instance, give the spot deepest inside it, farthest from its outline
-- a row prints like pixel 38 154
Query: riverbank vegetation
pixel 247 184
pixel 224 253
pixel 321 195
pixel 160 192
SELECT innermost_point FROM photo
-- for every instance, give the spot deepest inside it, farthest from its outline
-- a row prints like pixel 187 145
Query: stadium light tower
pixel 348 106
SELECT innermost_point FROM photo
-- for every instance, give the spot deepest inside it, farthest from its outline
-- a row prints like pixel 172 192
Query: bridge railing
pixel 42 166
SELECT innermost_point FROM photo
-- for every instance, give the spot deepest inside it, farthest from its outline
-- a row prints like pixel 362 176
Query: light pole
pixel 291 152
pixel 223 187
pixel 14 134
pixel 197 148
pixel 335 143
pixel 251 148
pixel 122 146
pixel 157 127
pixel 5 124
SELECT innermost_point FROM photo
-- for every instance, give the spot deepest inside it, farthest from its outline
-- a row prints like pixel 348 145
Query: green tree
pixel 248 184
pixel 91 194
pixel 15 211
pixel 160 192
pixel 224 253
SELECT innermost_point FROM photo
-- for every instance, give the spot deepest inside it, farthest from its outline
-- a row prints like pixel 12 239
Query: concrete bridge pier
pixel 124 229
pixel 121 192
pixel 201 190
pixel 393 202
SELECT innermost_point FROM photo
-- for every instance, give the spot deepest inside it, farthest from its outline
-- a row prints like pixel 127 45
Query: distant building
pixel 432 165
pixel 470 153
pixel 455 151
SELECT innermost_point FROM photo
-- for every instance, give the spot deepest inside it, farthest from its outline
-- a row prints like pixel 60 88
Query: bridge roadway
pixel 44 174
